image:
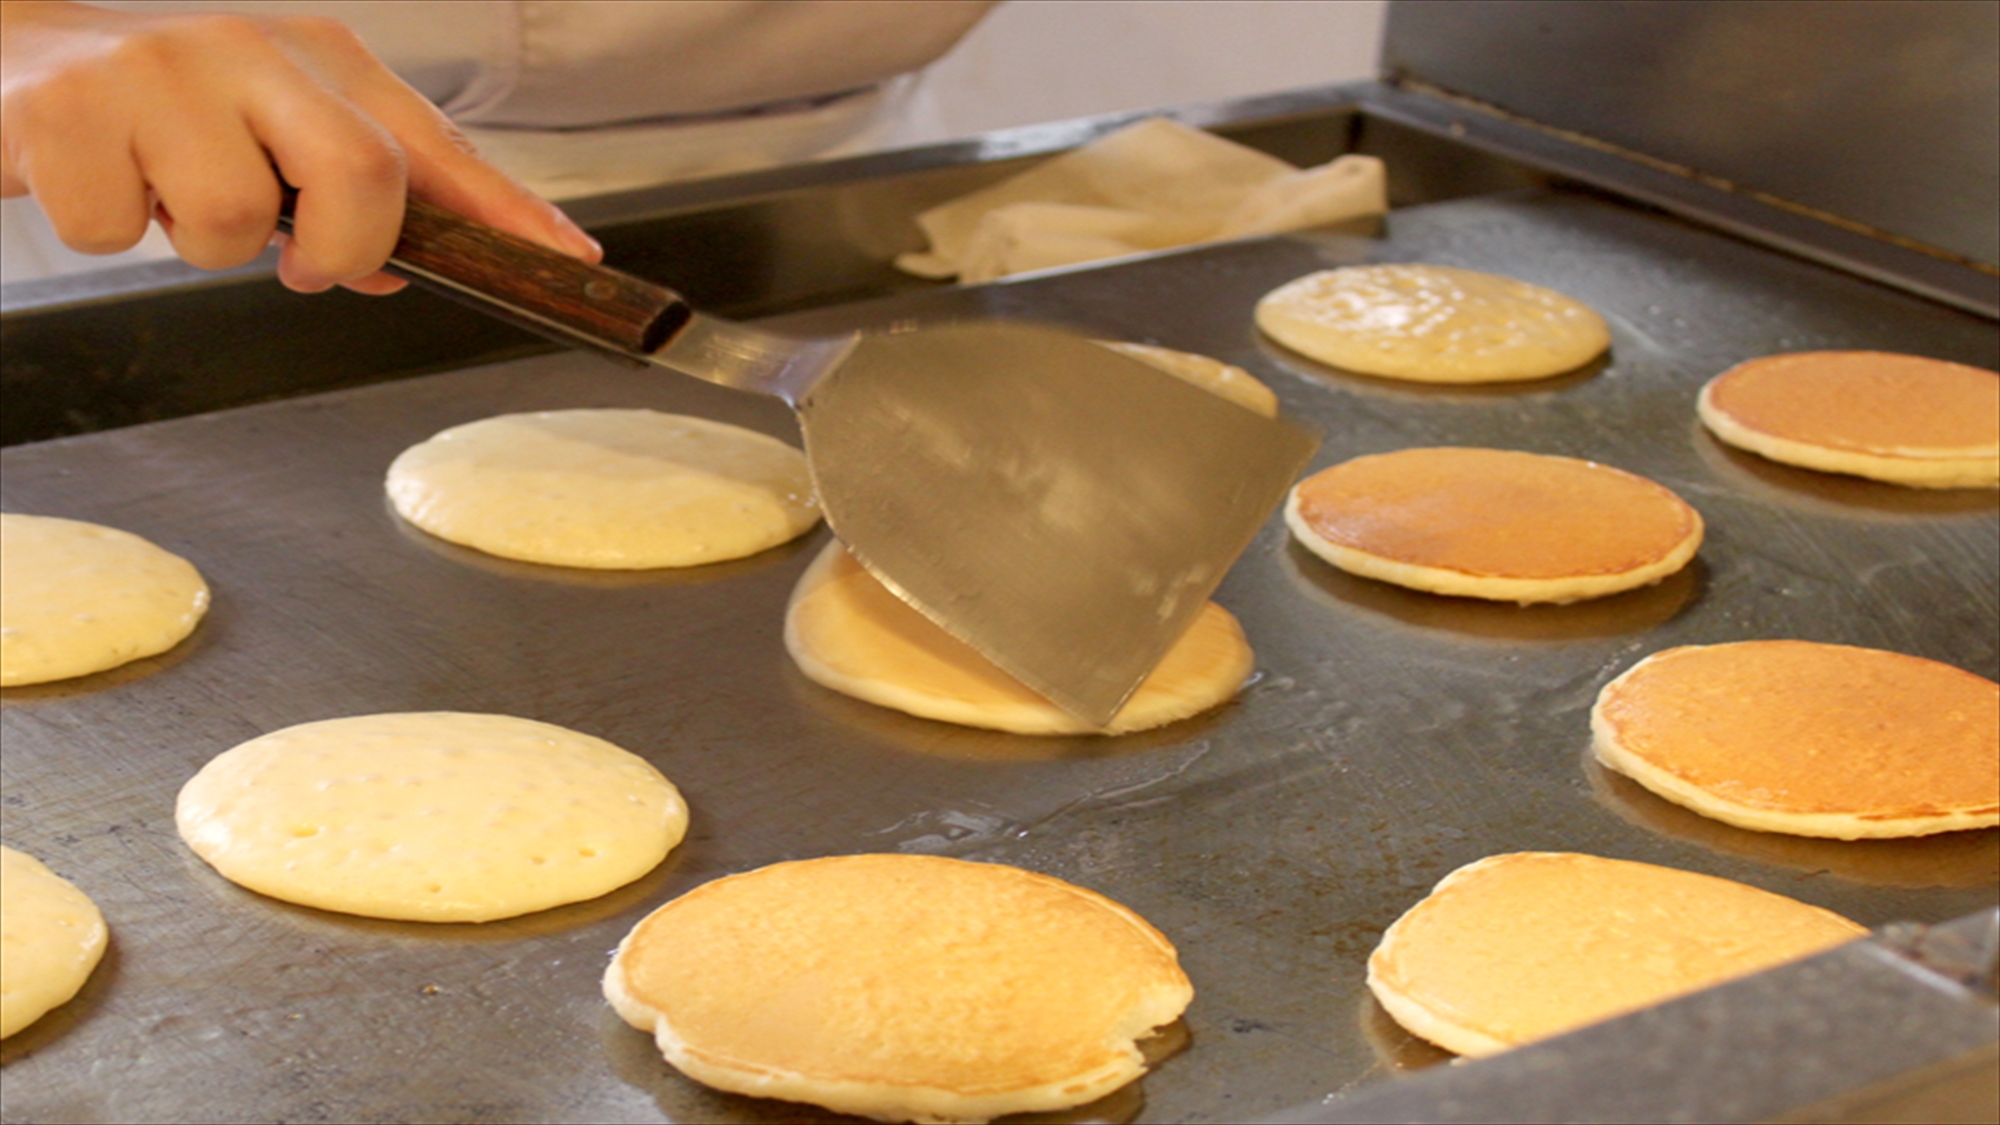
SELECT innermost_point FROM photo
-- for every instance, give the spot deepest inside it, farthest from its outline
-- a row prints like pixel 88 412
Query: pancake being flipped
pixel 51 937
pixel 1432 324
pixel 1904 419
pixel 1809 739
pixel 608 489
pixel 77 598
pixel 1211 375
pixel 431 816
pixel 900 987
pixel 846 631
pixel 1520 947
pixel 1495 524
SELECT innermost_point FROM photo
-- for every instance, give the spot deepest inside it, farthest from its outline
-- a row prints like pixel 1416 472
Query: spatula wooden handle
pixel 527 283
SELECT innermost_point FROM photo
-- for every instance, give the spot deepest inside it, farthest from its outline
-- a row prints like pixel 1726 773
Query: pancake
pixel 609 489
pixel 430 817
pixel 1520 947
pixel 1211 375
pixel 77 598
pixel 900 987
pixel 1904 419
pixel 846 631
pixel 1432 324
pixel 51 937
pixel 1809 739
pixel 1490 523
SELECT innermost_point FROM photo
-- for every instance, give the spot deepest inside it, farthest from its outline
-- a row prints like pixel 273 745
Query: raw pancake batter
pixel 1432 324
pixel 1809 739
pixel 51 937
pixel 430 817
pixel 900 987
pixel 77 598
pixel 608 489
pixel 1520 947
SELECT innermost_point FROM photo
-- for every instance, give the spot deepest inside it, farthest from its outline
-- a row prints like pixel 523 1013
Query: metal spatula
pixel 1063 509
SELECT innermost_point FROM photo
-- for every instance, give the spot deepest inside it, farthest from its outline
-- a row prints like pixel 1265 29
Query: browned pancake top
pixel 1794 726
pixel 903 970
pixel 1496 513
pixel 1867 402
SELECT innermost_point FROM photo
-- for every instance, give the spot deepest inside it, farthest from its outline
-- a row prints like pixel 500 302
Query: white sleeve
pixel 578 63
pixel 593 63
pixel 440 47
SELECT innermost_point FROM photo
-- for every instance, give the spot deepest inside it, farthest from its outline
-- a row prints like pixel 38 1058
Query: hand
pixel 111 120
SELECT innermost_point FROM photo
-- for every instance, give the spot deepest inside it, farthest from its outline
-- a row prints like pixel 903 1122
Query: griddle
pixel 1387 738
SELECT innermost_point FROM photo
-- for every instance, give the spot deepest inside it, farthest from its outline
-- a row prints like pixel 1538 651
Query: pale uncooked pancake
pixel 847 632
pixel 1898 418
pixel 1432 324
pixel 431 817
pixel 1810 739
pixel 77 598
pixel 900 987
pixel 1520 947
pixel 51 936
pixel 1211 375
pixel 1491 523
pixel 611 489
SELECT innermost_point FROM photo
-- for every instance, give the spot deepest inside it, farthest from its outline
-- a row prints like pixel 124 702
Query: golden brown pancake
pixel 900 987
pixel 1810 739
pixel 1432 324
pixel 1520 947
pixel 847 632
pixel 1491 523
pixel 1904 419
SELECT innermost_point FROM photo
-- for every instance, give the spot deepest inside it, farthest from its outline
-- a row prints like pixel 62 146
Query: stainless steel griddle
pixel 1389 736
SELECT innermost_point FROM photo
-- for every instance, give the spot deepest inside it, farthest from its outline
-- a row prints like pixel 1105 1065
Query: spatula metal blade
pixel 1061 508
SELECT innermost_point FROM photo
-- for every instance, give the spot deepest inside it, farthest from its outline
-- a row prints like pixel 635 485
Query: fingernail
pixel 298 280
pixel 573 237
pixel 583 245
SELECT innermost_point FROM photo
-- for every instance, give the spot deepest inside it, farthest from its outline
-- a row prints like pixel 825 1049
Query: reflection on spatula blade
pixel 1064 515
pixel 1063 509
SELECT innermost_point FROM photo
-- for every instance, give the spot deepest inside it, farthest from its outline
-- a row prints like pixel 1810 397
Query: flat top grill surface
pixel 1389 736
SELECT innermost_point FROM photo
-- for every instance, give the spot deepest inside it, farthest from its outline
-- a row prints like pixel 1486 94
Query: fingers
pixel 373 285
pixel 72 149
pixel 94 197
pixel 103 113
pixel 376 285
pixel 218 197
pixel 348 168
pixel 350 202
pixel 444 168
pixel 375 138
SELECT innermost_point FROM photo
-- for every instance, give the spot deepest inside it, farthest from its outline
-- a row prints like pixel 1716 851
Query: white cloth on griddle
pixel 1153 185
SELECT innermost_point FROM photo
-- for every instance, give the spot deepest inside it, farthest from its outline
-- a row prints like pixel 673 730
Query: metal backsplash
pixel 1883 112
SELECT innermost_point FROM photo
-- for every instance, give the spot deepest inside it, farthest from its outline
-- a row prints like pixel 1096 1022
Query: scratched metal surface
pixel 1389 736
